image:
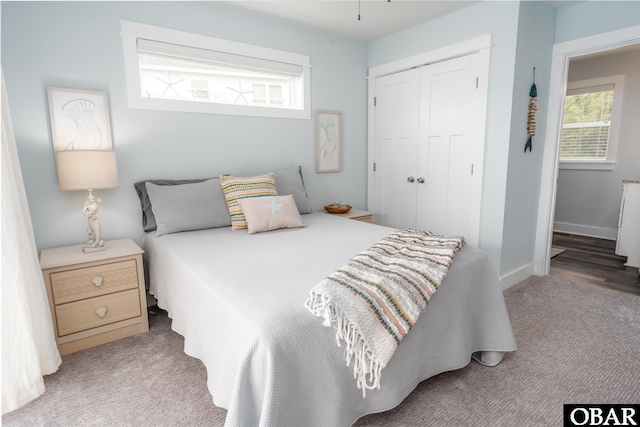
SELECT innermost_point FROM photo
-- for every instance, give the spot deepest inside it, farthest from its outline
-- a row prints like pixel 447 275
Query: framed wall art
pixel 328 141
pixel 79 119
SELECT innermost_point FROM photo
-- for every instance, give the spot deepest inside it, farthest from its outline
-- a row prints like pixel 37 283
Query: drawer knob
pixel 101 311
pixel 97 280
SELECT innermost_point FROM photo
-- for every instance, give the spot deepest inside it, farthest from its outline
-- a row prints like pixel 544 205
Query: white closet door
pixel 396 148
pixel 448 149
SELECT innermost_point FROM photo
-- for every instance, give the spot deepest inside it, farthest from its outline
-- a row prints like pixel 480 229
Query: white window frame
pixel 132 31
pixel 614 125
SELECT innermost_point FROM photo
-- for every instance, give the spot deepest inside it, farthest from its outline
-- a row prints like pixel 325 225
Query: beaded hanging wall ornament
pixel 531 122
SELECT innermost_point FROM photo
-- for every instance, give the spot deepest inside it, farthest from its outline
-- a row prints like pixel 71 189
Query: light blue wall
pixel 535 43
pixel 523 34
pixel 500 19
pixel 78 45
pixel 591 198
pixel 595 17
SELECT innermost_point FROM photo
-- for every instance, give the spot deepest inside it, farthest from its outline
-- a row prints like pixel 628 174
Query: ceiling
pixel 378 18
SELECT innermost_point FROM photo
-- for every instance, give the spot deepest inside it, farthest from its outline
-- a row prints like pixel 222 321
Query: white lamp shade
pixel 86 169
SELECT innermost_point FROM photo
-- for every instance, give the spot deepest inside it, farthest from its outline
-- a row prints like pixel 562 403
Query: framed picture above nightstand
pixel 95 297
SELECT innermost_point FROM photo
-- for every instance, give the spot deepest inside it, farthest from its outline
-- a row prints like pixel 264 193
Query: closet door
pixel 429 147
pixel 396 148
pixel 449 149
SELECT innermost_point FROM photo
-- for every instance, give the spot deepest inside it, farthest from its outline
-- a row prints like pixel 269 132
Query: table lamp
pixel 88 170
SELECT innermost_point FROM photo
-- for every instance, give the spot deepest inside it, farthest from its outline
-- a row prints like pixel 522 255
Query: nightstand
pixel 95 297
pixel 364 216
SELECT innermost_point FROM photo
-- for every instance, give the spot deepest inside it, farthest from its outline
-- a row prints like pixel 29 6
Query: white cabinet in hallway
pixel 628 243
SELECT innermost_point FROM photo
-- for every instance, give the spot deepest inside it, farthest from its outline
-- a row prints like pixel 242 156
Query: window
pixel 177 71
pixel 199 89
pixel 270 95
pixel 590 124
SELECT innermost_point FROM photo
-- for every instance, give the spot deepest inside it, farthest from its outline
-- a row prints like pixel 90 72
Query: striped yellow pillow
pixel 241 187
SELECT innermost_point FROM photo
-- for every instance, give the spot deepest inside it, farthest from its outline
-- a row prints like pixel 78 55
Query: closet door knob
pixel 421 180
pixel 411 179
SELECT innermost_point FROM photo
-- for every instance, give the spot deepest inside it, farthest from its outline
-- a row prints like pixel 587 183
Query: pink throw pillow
pixel 270 213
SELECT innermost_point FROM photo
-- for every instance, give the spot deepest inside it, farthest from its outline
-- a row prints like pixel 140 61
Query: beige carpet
pixel 555 251
pixel 578 343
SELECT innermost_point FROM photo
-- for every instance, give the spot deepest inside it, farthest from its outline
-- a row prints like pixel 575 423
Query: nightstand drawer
pixel 358 215
pixel 88 282
pixel 87 314
pixel 365 218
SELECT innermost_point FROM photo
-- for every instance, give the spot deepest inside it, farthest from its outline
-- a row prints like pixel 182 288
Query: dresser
pixel 95 297
pixel 628 242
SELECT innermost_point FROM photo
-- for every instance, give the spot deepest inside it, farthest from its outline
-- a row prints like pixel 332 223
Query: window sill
pixel 599 166
pixel 141 103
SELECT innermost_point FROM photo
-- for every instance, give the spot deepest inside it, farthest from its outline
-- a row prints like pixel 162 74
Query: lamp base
pixel 95 242
pixel 88 249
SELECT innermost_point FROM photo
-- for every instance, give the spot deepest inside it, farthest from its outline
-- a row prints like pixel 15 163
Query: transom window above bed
pixel 177 71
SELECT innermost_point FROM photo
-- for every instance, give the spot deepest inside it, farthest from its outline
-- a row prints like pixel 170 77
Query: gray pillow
pixel 290 182
pixel 187 207
pixel 287 182
pixel 148 219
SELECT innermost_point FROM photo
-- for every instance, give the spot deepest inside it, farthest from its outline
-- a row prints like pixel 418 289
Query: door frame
pixel 480 45
pixel 562 54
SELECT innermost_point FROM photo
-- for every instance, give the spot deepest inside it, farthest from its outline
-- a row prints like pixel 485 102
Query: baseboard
pixel 516 276
pixel 586 230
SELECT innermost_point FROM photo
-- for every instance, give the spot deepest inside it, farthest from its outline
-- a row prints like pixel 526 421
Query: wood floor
pixel 593 260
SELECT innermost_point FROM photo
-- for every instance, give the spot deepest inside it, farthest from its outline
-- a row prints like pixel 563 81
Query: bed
pixel 239 301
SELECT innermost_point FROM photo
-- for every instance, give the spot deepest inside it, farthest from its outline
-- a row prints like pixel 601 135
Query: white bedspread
pixel 238 300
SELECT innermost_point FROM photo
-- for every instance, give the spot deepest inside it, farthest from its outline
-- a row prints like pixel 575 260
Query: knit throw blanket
pixel 375 299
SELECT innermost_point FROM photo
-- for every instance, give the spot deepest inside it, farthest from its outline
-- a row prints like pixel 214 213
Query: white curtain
pixel 28 344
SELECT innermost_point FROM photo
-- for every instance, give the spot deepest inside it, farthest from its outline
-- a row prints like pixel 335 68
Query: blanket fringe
pixel 366 370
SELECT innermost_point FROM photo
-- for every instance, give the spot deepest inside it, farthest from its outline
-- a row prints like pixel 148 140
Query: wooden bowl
pixel 337 209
